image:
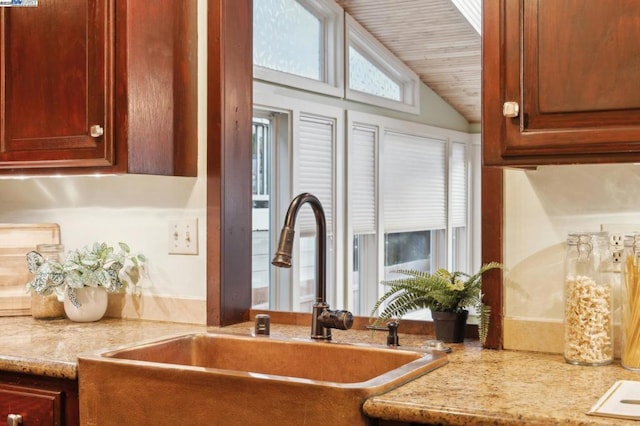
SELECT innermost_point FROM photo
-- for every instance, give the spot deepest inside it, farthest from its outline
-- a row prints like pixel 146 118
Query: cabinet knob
pixel 96 131
pixel 14 420
pixel 510 109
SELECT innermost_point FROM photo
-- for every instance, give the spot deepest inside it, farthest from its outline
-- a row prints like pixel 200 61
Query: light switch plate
pixel 183 236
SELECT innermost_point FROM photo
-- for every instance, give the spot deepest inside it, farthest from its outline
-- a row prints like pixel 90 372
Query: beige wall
pixel 541 207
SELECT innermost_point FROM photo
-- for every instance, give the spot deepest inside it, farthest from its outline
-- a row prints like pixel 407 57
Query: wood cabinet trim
pixel 229 115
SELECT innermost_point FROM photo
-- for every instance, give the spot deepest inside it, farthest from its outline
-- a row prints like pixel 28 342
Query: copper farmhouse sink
pixel 207 378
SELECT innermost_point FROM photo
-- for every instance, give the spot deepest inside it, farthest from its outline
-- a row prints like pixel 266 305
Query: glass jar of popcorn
pixel 630 301
pixel 588 299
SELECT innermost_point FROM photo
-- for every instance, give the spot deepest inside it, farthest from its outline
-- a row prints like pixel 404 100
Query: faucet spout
pixel 322 318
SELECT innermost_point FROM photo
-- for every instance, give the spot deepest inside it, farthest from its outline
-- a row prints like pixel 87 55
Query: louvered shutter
pixel 315 168
pixel 459 184
pixel 363 180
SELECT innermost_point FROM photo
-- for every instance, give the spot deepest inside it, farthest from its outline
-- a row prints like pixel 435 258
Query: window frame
pixel 331 15
pixel 361 40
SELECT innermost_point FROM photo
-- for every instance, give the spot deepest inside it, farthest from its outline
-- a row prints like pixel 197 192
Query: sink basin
pixel 207 378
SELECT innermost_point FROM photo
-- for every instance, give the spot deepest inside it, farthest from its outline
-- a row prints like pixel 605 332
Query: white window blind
pixel 458 184
pixel 414 183
pixel 315 168
pixel 362 168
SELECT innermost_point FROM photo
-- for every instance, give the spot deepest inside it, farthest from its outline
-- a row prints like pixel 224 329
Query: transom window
pixel 365 77
pixel 299 43
pixel 304 44
pixel 288 38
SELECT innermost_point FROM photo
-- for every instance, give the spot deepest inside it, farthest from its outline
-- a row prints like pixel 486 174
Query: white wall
pixel 133 209
pixel 541 207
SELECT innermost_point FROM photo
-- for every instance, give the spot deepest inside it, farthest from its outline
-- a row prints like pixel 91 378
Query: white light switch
pixel 183 236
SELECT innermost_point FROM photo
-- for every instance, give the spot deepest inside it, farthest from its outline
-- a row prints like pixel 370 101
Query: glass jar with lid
pixel 48 306
pixel 588 299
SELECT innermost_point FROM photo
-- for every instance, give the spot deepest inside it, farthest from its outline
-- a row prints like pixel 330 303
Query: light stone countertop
pixel 476 387
pixel 481 386
pixel 50 347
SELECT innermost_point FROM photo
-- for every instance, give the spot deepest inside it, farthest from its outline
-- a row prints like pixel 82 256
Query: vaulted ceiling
pixel 433 39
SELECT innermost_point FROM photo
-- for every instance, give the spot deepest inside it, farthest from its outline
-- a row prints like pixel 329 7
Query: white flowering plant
pixel 98 265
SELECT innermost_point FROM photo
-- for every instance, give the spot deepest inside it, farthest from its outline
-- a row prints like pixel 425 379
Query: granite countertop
pixel 50 348
pixel 481 386
pixel 476 387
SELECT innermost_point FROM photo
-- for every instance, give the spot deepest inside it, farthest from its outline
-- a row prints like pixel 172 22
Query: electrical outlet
pixel 616 239
pixel 617 256
pixel 183 236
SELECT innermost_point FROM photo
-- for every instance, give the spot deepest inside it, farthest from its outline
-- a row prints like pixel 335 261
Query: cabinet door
pixel 572 67
pixel 37 407
pixel 55 74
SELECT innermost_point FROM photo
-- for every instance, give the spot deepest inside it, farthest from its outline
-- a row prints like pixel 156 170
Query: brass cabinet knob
pixel 510 109
pixel 96 131
pixel 14 420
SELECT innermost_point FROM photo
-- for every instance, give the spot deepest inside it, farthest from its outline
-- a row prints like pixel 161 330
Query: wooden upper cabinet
pixel 104 86
pixel 561 82
pixel 56 71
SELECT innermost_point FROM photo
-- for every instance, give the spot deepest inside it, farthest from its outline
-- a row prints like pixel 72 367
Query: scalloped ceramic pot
pixel 93 304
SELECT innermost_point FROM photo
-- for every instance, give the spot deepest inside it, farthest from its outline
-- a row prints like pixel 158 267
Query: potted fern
pixel 446 294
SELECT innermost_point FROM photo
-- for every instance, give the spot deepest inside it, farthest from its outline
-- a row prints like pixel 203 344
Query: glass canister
pixel 630 300
pixel 48 306
pixel 588 300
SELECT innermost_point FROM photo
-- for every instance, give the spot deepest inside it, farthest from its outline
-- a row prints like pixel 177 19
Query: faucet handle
pixel 392 338
pixel 341 320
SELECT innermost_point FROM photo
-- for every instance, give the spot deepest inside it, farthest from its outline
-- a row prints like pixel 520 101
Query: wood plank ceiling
pixel 433 39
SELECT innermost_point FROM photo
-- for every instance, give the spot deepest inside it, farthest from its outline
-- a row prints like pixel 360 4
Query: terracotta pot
pixel 450 326
pixel 93 304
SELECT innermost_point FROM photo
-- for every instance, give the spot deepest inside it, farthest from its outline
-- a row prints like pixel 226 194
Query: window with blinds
pixel 458 207
pixel 414 183
pixel 459 184
pixel 314 168
pixel 362 171
pixel 395 192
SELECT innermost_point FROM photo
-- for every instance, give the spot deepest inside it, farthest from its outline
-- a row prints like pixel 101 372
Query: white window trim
pixel 470 196
pixel 332 16
pixel 475 204
pixel 381 57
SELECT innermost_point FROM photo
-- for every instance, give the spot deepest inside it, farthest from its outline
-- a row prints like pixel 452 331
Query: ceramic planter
pixel 93 304
pixel 450 326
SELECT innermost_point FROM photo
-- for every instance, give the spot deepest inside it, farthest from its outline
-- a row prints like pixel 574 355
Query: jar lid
pixel 575 237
